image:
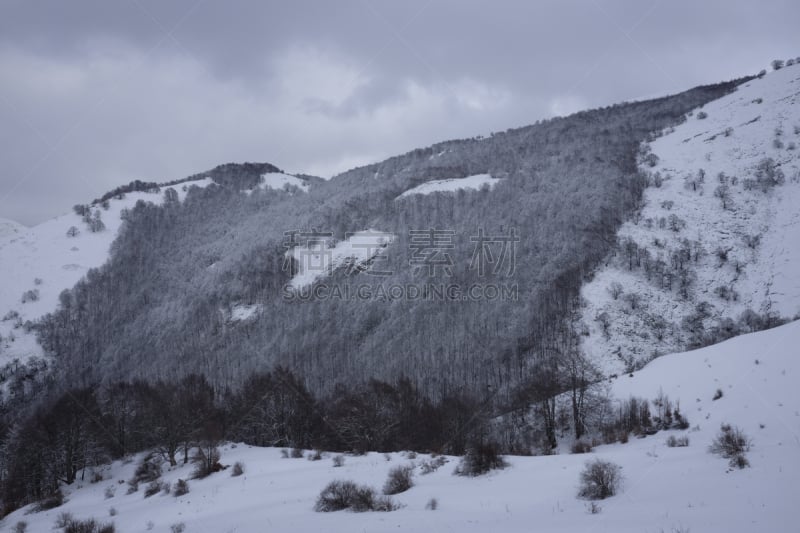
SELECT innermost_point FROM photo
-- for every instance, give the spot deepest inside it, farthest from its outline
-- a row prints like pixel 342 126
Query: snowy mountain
pixel 664 488
pixel 40 262
pixel 717 240
pixel 506 294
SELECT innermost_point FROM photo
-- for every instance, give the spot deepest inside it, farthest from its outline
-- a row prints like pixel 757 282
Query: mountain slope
pixel 47 260
pixel 562 188
pixel 719 233
pixel 665 489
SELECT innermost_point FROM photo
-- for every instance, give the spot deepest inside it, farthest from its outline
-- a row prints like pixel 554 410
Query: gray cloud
pixel 96 93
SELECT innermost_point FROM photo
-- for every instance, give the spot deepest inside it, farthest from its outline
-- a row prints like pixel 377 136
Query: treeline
pixel 87 427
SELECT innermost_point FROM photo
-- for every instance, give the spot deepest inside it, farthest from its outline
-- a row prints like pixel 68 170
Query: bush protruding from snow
pixel 154 487
pixel 677 442
pixel 338 460
pixel 56 499
pixel 426 467
pixel 238 469
pixel 87 526
pixel 581 446
pixel 316 455
pixel 206 462
pixel 181 488
pixel 399 480
pixel 149 469
pixel 341 495
pixel 730 442
pixel 600 479
pixel 479 460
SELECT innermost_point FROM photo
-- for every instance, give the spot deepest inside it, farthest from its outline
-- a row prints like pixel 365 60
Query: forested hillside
pixel 163 305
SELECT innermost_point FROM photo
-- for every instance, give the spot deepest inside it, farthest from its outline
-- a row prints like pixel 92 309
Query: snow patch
pixel 279 181
pixel 475 182
pixel 319 256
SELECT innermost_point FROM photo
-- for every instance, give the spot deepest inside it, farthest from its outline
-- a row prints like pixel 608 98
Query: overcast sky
pixel 97 93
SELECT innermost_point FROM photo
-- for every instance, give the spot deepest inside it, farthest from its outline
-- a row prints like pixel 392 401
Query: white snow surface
pixel 475 182
pixel 664 489
pixel 279 181
pixel 244 312
pixel 45 252
pixel 758 113
pixel 318 257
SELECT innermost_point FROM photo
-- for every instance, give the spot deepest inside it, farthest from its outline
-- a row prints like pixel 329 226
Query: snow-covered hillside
pixel 46 260
pixel 665 489
pixel 475 182
pixel 719 232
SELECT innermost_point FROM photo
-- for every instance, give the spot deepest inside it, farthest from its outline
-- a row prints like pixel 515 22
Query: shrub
pixel 599 480
pixel 426 467
pixel 432 504
pixel 181 488
pixel 399 480
pixel 316 455
pixel 677 442
pixel 338 460
pixel 112 511
pixel 110 491
pixel 21 527
pixel 64 519
pixel 581 446
pixel 88 526
pixel 777 64
pixel 339 495
pixel 133 486
pixel 96 477
pixel 717 395
pixel 180 527
pixel 148 470
pixel 31 295
pixel 739 461
pixel 238 469
pixel 593 508
pixel 206 462
pixel 702 115
pixel 284 453
pixel 384 504
pixel 730 442
pixel 154 487
pixel 297 453
pixel 479 460
pixel 56 499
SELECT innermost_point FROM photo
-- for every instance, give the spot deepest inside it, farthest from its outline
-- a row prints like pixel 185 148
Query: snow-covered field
pixel 758 231
pixel 46 253
pixel 475 182
pixel 664 489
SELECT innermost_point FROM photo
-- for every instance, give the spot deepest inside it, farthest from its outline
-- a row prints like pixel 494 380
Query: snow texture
pixel 760 120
